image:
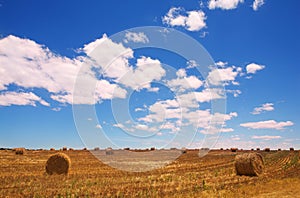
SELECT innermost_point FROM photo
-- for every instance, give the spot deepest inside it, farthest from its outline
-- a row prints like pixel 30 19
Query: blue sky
pixel 256 50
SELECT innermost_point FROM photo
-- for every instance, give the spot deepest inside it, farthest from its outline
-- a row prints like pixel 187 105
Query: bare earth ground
pixel 188 176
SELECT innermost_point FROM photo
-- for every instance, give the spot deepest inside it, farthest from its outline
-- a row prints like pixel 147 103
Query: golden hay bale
pixel 109 151
pixel 250 164
pixel 20 151
pixel 58 163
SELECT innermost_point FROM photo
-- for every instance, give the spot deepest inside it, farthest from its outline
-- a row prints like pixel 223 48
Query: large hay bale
pixel 109 151
pixel 292 149
pixel 267 149
pixel 58 163
pixel 20 151
pixel 249 164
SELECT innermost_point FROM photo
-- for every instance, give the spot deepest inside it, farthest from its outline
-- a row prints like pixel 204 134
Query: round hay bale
pixel 292 149
pixel 64 148
pixel 234 149
pixel 267 149
pixel 58 163
pixel 20 151
pixel 52 149
pixel 249 164
pixel 109 151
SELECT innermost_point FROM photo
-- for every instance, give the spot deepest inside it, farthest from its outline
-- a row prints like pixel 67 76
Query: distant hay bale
pixel 71 149
pixel 258 149
pixel 267 149
pixel 234 149
pixel 152 149
pixel 20 151
pixel 292 149
pixel 58 163
pixel 52 149
pixel 84 149
pixel 109 151
pixel 64 148
pixel 252 149
pixel 96 149
pixel 279 149
pixel 221 149
pixel 249 164
pixel 127 149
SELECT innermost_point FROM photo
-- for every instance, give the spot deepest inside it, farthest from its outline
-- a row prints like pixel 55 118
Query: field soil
pixel 188 176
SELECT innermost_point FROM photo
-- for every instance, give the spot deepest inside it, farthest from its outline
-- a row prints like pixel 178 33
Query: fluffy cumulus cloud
pixel 136 37
pixel 268 124
pixel 223 76
pixel 265 137
pixel 29 65
pixel 252 68
pixel 191 20
pixel 112 59
pixel 257 4
pixel 21 98
pixel 182 84
pixel 264 107
pixel 224 4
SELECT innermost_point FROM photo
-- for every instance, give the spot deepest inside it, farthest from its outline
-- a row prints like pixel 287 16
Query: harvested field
pixel 189 176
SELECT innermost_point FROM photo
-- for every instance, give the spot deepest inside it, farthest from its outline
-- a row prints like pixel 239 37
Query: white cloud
pixel 147 70
pixel 221 63
pixel 135 37
pixel 106 90
pixel 223 75
pixel 252 68
pixel 56 109
pixel 139 109
pixel 21 98
pixel 257 3
pixel 235 92
pixel 266 137
pixel 184 83
pixel 191 64
pixel 110 57
pixel 235 137
pixel 224 4
pixel 191 20
pixel 268 124
pixel 31 65
pixel 214 130
pixel 264 107
pixel 181 73
pixel 98 126
pixel 142 127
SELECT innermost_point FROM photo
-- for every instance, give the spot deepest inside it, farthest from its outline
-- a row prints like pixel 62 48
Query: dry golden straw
pixel 249 164
pixel 58 163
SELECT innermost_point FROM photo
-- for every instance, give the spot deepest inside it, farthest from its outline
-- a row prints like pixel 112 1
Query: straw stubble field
pixel 188 176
